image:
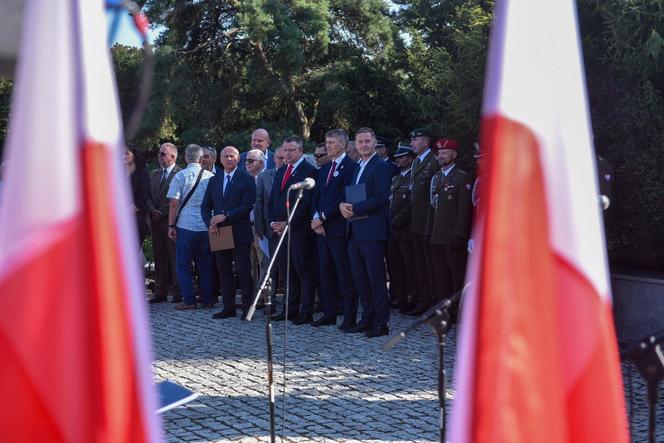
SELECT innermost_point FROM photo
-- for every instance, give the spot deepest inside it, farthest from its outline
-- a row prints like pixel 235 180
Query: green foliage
pixel 6 87
pixel 225 68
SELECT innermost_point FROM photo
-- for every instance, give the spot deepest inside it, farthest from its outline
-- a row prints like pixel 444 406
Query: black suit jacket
pixel 300 224
pixel 326 199
pixel 237 203
pixel 377 177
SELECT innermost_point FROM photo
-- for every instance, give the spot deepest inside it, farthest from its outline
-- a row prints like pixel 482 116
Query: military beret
pixel 420 132
pixel 446 143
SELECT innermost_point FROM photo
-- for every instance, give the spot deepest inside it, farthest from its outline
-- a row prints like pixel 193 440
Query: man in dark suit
pixel 400 247
pixel 368 232
pixel 423 169
pixel 262 229
pixel 330 227
pixel 450 221
pixel 163 248
pixel 302 282
pixel 260 139
pixel 228 200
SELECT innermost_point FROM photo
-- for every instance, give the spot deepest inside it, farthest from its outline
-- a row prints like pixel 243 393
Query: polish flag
pixel 538 359
pixel 73 327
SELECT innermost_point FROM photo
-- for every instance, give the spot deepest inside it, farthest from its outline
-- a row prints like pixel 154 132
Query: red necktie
pixel 289 171
pixel 331 173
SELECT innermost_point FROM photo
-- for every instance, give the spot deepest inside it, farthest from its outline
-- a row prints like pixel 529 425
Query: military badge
pixel 607 177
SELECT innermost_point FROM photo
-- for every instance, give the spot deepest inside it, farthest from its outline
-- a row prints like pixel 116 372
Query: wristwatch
pixel 171 226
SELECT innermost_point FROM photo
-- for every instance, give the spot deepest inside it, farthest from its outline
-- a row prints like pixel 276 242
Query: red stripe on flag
pixel 595 399
pixel 117 366
pixel 70 371
pixel 41 376
pixel 517 373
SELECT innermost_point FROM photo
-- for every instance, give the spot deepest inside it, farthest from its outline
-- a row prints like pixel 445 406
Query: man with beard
pixel 449 221
pixel 368 231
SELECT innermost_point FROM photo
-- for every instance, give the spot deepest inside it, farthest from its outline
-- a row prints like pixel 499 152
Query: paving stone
pixel 339 387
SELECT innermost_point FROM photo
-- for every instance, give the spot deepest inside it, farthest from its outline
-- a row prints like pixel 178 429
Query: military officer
pixel 423 169
pixel 400 247
pixel 449 221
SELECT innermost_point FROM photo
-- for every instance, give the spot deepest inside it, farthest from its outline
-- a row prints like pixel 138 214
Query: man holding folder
pixel 366 208
pixel 228 200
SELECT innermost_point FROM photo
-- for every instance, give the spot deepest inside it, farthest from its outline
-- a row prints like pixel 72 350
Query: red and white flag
pixel 73 327
pixel 538 358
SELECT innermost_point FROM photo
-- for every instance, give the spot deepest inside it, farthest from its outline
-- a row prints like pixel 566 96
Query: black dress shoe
pixel 224 314
pixel 346 325
pixel 157 299
pixel 324 321
pixel 279 317
pixel 378 332
pixel 303 320
pixel 177 299
pixel 360 327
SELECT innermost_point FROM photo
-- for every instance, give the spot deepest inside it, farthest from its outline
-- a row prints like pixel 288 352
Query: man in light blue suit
pixel 368 232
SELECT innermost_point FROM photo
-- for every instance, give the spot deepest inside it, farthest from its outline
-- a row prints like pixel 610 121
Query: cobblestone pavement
pixel 340 387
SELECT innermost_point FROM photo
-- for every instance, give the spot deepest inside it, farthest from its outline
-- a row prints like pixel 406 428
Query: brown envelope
pixel 222 240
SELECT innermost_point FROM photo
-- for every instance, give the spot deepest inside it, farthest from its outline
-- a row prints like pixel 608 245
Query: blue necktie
pixel 226 183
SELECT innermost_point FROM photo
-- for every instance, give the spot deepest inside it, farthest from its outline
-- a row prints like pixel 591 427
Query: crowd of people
pixel 377 231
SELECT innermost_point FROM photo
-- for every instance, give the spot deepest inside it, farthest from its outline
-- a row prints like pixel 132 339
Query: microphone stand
pixel 438 318
pixel 648 357
pixel 265 288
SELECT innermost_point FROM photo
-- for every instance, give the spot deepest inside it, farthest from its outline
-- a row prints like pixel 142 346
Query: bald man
pixel 228 201
pixel 260 139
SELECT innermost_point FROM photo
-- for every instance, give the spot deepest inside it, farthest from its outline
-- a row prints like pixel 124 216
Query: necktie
pixel 289 171
pixel 164 174
pixel 226 183
pixel 331 173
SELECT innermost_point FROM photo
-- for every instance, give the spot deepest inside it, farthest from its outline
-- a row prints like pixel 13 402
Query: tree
pixel 281 56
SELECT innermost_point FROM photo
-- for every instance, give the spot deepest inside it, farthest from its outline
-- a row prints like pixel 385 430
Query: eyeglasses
pixel 250 160
pixel 319 155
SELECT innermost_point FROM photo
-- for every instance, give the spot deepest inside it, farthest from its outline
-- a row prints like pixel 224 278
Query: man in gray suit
pixel 262 227
pixel 163 248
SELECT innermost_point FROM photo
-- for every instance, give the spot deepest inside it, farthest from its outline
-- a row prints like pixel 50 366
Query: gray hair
pixel 339 134
pixel 211 150
pixel 171 147
pixel 193 154
pixel 258 153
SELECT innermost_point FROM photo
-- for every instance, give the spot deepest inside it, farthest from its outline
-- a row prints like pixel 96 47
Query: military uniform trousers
pixel 403 274
pixel 449 262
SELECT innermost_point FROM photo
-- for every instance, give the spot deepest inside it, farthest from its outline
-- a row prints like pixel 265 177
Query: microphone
pixel 307 183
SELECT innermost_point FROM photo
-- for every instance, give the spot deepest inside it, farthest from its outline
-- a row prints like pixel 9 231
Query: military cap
pixel 404 150
pixel 420 132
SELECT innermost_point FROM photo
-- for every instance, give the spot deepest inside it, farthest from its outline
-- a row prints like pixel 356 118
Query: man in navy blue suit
pixel 302 278
pixel 260 139
pixel 368 231
pixel 330 226
pixel 228 200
